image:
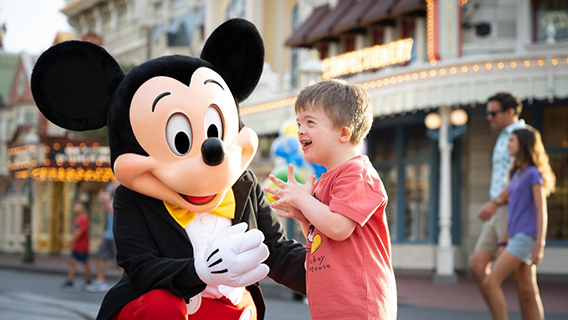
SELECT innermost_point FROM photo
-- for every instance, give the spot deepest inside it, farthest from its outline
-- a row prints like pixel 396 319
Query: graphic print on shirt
pixel 314 239
pixel 315 262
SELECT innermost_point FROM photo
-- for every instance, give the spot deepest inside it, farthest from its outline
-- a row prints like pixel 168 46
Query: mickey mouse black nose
pixel 213 151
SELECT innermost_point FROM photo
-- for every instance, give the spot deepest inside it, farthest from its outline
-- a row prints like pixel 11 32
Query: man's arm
pixel 489 209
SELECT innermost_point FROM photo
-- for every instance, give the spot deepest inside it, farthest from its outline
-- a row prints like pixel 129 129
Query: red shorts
pixel 162 304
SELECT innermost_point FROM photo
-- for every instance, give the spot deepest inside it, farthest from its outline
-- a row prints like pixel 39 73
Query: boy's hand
pixel 293 213
pixel 290 194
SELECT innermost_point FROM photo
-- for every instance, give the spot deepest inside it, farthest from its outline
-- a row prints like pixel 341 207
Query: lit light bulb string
pixel 58 170
pixel 475 67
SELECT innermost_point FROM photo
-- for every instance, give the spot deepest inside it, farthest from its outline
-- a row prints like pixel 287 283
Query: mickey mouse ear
pixel 236 50
pixel 73 83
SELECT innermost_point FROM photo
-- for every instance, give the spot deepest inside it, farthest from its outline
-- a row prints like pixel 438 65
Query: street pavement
pixel 31 292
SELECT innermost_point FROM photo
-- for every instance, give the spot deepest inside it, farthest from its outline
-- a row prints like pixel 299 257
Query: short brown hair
pixel 347 105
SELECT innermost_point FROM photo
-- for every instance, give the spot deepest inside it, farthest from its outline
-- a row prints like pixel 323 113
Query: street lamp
pixel 445 126
pixel 31 140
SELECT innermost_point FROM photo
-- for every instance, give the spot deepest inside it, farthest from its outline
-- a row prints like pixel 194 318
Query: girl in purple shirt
pixel 531 180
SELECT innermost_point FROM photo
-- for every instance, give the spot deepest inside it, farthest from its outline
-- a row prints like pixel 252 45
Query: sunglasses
pixel 493 113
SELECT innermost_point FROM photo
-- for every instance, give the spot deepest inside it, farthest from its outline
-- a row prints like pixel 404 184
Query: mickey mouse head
pixel 173 122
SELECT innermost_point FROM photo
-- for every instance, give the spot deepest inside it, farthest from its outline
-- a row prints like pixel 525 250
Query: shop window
pixel 555 139
pixel 378 36
pixel 417 144
pixel 403 156
pixel 417 200
pixel 349 44
pixel 389 178
pixel 408 29
pixel 558 201
pixel 555 135
pixel 547 14
pixel 384 145
pixel 323 49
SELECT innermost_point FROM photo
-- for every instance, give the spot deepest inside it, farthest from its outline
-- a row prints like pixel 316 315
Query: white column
pixel 113 16
pixel 524 25
pixel 211 17
pixel 388 34
pixel 445 251
pixel 420 40
pixel 360 41
pixel 98 21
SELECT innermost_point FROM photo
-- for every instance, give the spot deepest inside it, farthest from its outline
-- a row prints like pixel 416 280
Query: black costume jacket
pixel 155 251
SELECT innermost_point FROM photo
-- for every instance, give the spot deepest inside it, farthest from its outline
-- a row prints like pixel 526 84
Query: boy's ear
pixel 345 134
pixel 236 50
pixel 73 83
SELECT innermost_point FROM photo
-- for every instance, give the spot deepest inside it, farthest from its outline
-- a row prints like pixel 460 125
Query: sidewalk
pixel 413 290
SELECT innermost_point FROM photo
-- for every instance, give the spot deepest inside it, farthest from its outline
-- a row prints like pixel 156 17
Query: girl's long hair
pixel 531 152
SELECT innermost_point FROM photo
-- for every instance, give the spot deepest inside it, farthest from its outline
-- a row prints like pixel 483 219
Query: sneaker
pixel 67 285
pixel 97 286
pixel 86 285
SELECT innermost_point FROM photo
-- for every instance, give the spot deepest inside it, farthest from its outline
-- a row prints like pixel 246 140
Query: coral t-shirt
pixel 81 245
pixel 352 279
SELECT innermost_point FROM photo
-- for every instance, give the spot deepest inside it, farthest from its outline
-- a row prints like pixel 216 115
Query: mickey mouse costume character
pixel 181 153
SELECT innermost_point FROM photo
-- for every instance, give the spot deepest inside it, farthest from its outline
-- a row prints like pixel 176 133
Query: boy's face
pixel 78 208
pixel 318 137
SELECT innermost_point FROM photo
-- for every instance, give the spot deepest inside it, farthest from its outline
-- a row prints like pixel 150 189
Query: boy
pixel 349 272
pixel 80 242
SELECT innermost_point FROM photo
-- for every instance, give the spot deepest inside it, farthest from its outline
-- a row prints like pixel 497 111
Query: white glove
pixel 233 258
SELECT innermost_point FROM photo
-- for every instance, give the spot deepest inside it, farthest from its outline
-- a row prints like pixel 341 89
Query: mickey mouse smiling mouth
pixel 196 200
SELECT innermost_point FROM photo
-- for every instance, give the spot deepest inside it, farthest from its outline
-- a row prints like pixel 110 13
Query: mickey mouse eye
pixel 178 134
pixel 214 123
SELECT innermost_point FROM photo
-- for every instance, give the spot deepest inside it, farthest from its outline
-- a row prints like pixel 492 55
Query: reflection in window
pixel 389 177
pixel 417 191
pixel 555 134
pixel 558 201
pixel 384 145
pixel 555 139
pixel 551 13
pixel 417 144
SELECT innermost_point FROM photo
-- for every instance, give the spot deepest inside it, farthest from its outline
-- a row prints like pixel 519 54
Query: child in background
pixel 531 181
pixel 349 271
pixel 107 248
pixel 80 245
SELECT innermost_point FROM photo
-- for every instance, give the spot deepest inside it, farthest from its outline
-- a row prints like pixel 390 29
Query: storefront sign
pixel 369 58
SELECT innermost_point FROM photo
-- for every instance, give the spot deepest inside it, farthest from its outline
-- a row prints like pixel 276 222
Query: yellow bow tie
pixel 183 217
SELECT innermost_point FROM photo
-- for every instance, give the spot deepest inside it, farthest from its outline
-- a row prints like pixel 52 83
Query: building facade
pixel 414 57
pixel 421 57
pixel 44 169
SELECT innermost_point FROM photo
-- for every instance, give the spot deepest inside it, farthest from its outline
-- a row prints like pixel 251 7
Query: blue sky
pixel 31 24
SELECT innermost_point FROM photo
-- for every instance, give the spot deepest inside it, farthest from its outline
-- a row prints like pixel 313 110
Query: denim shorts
pixel 521 246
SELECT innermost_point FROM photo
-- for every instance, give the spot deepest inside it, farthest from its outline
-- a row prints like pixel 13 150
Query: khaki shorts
pixel 492 232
